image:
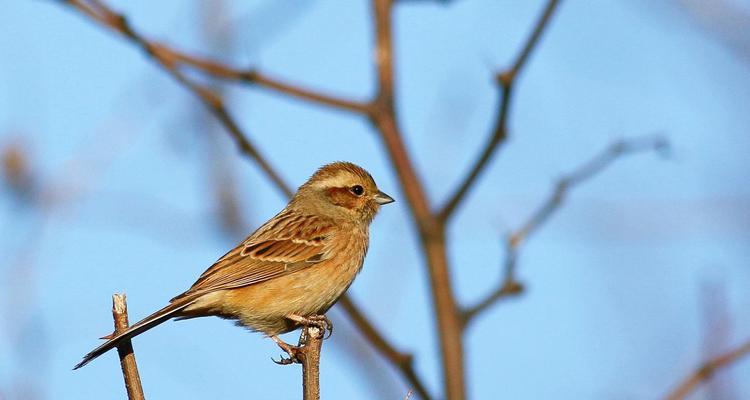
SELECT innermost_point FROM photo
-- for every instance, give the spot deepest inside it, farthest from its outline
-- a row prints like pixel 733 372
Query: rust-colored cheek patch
pixel 343 197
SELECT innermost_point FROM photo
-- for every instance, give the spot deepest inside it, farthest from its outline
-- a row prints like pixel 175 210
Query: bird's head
pixel 341 189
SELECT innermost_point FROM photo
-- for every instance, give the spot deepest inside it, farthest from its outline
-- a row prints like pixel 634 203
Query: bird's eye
pixel 357 190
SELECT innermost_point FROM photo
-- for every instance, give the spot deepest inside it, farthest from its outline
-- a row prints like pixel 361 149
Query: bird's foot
pixel 292 351
pixel 319 321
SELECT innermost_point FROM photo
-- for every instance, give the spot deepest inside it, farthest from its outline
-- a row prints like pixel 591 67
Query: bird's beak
pixel 382 198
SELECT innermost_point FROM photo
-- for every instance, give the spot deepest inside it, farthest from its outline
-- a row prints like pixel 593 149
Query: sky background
pixel 641 275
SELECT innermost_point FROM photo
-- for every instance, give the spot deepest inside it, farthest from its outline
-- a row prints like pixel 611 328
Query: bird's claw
pixel 323 323
pixel 292 351
pixel 319 321
pixel 286 361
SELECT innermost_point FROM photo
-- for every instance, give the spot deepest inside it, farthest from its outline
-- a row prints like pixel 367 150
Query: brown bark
pixel 125 349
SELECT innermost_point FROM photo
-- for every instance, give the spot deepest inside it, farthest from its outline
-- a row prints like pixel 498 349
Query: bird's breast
pixel 311 291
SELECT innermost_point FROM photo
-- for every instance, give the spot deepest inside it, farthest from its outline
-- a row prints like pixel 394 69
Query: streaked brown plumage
pixel 295 265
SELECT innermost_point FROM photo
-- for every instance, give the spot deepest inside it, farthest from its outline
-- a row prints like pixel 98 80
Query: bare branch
pixel 707 370
pixel 306 94
pixel 431 231
pixel 125 349
pixel 509 285
pixel 506 80
pixel 311 341
pixel 403 361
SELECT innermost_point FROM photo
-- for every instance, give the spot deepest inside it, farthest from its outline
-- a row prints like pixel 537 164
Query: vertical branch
pixel 311 342
pixel 125 349
pixel 431 230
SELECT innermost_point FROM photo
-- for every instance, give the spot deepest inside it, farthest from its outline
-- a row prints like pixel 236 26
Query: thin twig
pixel 403 361
pixel 125 349
pixel 506 81
pixel 509 286
pixel 707 370
pixel 256 77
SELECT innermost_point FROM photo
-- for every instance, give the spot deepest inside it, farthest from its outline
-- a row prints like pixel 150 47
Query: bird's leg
pixel 292 351
pixel 319 321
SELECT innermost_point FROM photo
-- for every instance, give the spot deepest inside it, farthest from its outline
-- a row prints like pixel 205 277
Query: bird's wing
pixel 285 244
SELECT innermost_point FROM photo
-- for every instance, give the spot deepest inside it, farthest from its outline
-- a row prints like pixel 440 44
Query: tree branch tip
pixel 657 142
pixel 663 147
pixel 119 303
pixel 509 289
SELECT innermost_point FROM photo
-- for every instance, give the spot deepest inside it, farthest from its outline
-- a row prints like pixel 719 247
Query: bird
pixel 288 272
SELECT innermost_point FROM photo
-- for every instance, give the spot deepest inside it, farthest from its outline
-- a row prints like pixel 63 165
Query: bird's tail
pixel 141 326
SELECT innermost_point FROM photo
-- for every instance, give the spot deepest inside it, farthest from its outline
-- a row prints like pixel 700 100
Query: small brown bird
pixel 292 269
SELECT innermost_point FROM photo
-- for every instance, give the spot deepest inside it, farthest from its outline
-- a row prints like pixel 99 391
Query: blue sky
pixel 618 281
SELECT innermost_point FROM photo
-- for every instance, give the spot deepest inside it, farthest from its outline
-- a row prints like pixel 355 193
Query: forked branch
pixel 506 81
pixel 431 232
pixel 509 285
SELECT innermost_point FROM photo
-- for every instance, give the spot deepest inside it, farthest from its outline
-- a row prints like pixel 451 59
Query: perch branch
pixel 506 80
pixel 707 370
pixel 311 341
pixel 125 349
pixel 403 361
pixel 509 285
